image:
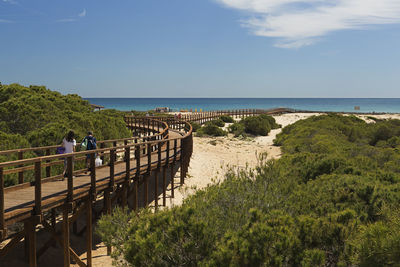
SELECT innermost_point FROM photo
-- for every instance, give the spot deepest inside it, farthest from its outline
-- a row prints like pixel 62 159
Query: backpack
pixel 60 150
pixel 91 143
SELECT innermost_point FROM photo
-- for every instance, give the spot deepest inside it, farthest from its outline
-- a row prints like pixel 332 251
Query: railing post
pixel 172 169
pixel 93 174
pixel 70 182
pixel 136 181
pixel 159 147
pixel 165 174
pixel 38 187
pixel 146 178
pixel 183 141
pixel 20 173
pixel 112 168
pixel 48 168
pixel 102 145
pixel 127 164
pixel 2 221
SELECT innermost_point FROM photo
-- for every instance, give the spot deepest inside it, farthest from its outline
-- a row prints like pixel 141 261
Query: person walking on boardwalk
pixel 69 144
pixel 88 143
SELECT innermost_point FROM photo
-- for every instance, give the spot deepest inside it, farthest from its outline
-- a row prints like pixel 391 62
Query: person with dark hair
pixel 88 143
pixel 69 144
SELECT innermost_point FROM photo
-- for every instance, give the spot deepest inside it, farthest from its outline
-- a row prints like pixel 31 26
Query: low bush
pixel 227 119
pixel 217 122
pixel 258 125
pixel 212 130
pixel 237 129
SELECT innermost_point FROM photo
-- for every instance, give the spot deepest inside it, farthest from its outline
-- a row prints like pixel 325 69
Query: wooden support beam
pixel 45 247
pixel 14 241
pixel 172 181
pixel 2 220
pixel 74 222
pixel 124 194
pixel 77 212
pixel 164 186
pixel 89 231
pixel 38 188
pixel 31 232
pixel 65 225
pixel 156 190
pixel 61 242
pixel 107 203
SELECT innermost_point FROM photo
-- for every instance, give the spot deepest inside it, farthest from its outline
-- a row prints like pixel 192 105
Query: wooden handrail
pixel 29 149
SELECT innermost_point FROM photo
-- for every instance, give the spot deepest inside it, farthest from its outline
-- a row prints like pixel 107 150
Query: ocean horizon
pixel 387 105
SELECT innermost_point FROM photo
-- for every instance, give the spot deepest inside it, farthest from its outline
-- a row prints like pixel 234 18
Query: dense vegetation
pixel 331 200
pixel 35 116
pixel 227 119
pixel 256 125
pixel 212 128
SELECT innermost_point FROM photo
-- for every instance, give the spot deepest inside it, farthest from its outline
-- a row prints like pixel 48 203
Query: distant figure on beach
pixel 175 116
pixel 179 116
pixel 88 143
pixel 69 144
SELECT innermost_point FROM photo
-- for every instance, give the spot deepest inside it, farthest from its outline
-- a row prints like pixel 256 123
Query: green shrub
pixel 195 126
pixel 217 122
pixel 378 244
pixel 237 129
pixel 212 130
pixel 227 119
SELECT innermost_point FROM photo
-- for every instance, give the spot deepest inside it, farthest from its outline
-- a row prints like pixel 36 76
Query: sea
pixel 366 105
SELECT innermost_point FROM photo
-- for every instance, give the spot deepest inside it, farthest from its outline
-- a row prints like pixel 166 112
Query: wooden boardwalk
pixel 159 145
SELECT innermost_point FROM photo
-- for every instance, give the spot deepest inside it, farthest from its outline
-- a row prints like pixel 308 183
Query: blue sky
pixel 203 48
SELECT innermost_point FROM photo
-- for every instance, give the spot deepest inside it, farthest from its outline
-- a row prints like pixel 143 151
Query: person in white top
pixel 69 144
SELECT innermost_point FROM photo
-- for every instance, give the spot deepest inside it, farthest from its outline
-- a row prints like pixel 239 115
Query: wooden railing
pixel 140 149
pixel 144 130
pixel 203 117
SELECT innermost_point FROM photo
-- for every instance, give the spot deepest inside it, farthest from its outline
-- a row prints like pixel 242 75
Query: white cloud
pixel 10 2
pixel 73 19
pixel 298 23
pixel 82 14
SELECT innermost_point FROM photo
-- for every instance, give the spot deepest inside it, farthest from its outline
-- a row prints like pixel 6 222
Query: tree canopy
pixel 36 116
